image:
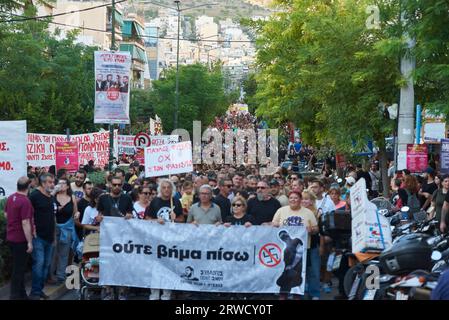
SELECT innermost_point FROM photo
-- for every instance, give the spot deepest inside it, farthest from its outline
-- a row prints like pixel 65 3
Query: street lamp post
pixel 178 10
pixel 175 123
pixel 111 126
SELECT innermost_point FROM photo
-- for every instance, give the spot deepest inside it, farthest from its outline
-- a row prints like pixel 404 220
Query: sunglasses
pixel 116 184
pixel 261 187
pixel 237 205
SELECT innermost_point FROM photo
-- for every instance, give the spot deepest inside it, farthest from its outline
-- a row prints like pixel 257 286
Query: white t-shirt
pixel 78 192
pixel 139 211
pixel 89 215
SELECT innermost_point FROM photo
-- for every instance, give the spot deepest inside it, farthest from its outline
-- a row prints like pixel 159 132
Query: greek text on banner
pixel 175 256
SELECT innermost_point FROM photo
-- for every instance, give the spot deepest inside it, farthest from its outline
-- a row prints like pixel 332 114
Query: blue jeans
pixel 42 256
pixel 313 272
pixel 61 256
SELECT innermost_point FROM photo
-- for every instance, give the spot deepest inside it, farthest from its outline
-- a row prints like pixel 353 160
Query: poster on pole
pixel 67 156
pixel 168 159
pixel 126 145
pixel 175 256
pixel 444 156
pixel 112 87
pixel 417 157
pixel 12 155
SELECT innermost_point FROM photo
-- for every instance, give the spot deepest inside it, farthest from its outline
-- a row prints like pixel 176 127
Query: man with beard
pixel 77 185
pixel 115 204
pixel 264 206
pixel 83 203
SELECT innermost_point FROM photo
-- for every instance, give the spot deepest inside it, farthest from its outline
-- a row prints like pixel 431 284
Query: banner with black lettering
pixel 177 256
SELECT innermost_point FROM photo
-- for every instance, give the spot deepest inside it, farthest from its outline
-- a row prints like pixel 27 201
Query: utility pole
pixel 175 123
pixel 111 126
pixel 407 101
pixel 178 10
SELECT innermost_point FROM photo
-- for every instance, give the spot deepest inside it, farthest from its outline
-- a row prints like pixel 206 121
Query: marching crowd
pixel 52 212
pixel 47 218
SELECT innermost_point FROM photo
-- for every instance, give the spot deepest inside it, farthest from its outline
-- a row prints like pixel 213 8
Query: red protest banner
pixel 67 156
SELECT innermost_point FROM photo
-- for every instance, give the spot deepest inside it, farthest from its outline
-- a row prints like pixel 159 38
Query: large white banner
pixel 177 256
pixel 112 87
pixel 41 150
pixel 168 159
pixel 12 155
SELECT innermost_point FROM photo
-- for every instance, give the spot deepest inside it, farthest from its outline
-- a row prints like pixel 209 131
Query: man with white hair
pixel 205 211
pixel 164 208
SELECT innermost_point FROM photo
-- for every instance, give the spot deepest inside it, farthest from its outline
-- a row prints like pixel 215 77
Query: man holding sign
pixel 164 208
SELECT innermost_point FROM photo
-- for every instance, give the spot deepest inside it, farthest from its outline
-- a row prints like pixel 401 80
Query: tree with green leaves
pixel 45 80
pixel 201 96
pixel 322 68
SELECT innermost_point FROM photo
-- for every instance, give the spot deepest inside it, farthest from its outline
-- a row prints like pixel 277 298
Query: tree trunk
pixel 384 170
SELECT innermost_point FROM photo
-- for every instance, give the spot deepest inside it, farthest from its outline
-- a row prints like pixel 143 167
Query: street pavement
pixel 143 294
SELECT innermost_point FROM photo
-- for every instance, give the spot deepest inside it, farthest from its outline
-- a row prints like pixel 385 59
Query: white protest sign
pixel 12 155
pixel 168 159
pixel 207 258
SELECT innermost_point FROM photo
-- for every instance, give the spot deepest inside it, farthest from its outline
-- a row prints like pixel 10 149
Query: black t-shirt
pixel 64 213
pixel 239 222
pixel 45 209
pixel 263 211
pixel 429 188
pixel 224 204
pixel 160 208
pixel 115 207
pixel 82 205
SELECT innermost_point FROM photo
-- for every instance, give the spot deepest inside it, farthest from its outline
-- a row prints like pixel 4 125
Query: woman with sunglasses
pixel 139 207
pixel 239 216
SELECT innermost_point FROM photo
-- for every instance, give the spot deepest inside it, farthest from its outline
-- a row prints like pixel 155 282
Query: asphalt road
pixel 143 294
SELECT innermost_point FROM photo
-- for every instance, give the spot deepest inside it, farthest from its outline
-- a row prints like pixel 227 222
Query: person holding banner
pixel 115 204
pixel 164 208
pixel 144 194
pixel 205 211
pixel 239 217
pixel 295 215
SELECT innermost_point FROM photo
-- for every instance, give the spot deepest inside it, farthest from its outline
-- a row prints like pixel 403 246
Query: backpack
pixel 413 202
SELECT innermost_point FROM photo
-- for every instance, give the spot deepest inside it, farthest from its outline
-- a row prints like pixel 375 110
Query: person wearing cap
pixel 276 192
pixel 428 187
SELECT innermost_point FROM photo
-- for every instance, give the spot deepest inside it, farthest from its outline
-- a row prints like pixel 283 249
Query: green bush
pixel 5 254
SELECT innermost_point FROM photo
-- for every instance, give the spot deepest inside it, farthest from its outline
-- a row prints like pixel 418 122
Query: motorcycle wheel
pixel 350 276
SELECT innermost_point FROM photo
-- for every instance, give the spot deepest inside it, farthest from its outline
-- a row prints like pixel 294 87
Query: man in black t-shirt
pixel 115 204
pixel 45 209
pixel 264 206
pixel 428 187
pixel 83 203
pixel 225 186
